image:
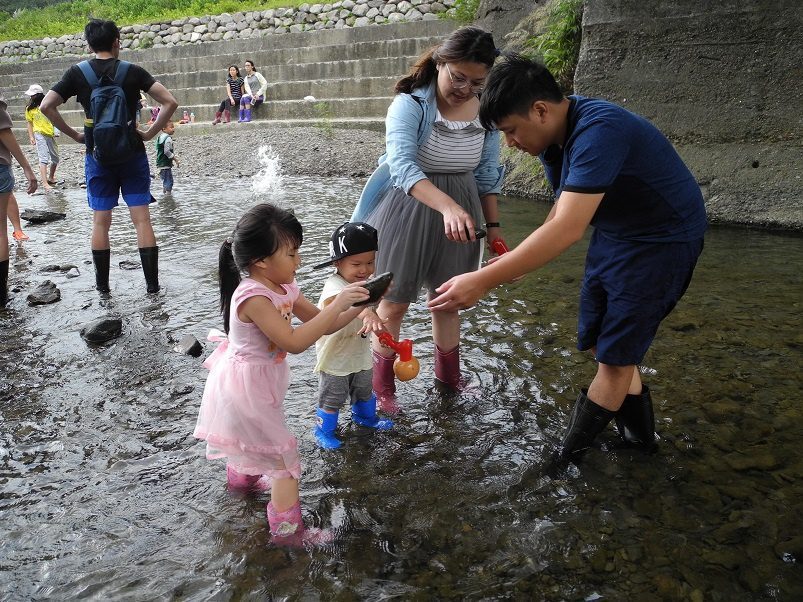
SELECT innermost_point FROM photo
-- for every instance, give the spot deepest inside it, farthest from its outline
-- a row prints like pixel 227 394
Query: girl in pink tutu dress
pixel 242 412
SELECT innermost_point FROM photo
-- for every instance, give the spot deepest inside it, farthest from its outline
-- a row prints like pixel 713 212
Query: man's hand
pixel 458 293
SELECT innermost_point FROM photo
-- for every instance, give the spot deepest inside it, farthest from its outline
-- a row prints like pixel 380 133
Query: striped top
pixel 236 86
pixel 452 147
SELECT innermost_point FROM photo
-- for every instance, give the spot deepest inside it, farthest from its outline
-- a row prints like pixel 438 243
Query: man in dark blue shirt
pixel 616 171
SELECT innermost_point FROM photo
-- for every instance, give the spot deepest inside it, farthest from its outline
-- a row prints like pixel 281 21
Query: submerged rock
pixel 102 330
pixel 37 216
pixel 130 265
pixel 45 293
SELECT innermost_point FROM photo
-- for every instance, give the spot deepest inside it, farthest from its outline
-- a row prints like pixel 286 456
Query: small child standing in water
pixel 242 413
pixel 166 156
pixel 41 133
pixel 344 358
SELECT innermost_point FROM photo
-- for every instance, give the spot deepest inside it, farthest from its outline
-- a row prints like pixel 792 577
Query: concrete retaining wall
pixel 724 80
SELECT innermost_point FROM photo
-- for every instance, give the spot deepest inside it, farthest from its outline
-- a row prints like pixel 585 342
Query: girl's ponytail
pixel 229 278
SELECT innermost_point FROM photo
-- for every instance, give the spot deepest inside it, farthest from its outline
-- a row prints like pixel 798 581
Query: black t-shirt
pixel 73 83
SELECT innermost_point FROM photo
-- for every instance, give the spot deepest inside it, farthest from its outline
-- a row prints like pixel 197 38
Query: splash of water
pixel 268 180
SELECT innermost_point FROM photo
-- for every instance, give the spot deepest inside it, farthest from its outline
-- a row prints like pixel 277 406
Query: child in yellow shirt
pixel 42 133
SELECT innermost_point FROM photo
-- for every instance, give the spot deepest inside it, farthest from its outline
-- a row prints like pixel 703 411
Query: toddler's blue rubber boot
pixel 364 414
pixel 325 425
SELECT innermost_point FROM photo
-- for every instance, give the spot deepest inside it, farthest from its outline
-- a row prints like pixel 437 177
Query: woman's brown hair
pixel 467 44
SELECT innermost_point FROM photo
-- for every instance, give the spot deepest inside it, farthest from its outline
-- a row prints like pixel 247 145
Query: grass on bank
pixel 70 17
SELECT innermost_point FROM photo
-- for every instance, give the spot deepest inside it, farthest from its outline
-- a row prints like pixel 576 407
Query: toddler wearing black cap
pixel 344 357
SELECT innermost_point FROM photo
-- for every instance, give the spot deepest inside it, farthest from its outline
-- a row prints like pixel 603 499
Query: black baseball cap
pixel 352 238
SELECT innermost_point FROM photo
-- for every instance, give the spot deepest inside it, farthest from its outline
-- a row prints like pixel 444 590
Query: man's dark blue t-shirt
pixel 650 194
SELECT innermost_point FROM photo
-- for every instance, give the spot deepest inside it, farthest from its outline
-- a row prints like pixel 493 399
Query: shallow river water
pixel 105 494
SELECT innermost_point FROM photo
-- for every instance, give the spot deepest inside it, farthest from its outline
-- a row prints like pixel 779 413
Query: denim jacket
pixel 408 125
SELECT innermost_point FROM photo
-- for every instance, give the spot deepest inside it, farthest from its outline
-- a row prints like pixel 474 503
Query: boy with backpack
pixel 116 163
pixel 166 156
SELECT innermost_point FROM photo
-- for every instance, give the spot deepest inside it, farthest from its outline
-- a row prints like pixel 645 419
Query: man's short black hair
pixel 100 35
pixel 512 87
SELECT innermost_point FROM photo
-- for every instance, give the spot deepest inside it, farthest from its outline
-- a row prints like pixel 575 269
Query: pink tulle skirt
pixel 242 416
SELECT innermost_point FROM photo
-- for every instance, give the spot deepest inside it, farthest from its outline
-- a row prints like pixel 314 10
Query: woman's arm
pixel 30 132
pixel 247 88
pixel 263 85
pixel 8 140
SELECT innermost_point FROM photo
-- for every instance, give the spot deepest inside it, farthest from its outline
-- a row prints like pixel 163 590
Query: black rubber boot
pixel 3 283
pixel 635 421
pixel 101 259
pixel 150 265
pixel 586 422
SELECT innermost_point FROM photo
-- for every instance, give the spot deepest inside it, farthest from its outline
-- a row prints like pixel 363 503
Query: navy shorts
pixel 628 289
pixel 104 184
pixel 6 179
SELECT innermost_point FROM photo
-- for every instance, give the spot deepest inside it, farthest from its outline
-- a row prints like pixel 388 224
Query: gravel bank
pixel 231 151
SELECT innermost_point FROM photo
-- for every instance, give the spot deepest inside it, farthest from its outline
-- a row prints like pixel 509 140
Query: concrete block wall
pixel 724 80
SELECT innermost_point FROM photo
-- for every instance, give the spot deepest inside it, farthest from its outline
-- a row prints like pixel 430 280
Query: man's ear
pixel 539 111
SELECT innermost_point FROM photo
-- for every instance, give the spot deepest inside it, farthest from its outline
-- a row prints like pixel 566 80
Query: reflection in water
pixel 105 494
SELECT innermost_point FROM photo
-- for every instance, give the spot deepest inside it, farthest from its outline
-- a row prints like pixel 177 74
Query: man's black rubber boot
pixel 586 422
pixel 101 259
pixel 150 265
pixel 635 421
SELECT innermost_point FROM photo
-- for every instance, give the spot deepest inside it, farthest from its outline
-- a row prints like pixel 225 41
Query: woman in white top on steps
pixel 255 87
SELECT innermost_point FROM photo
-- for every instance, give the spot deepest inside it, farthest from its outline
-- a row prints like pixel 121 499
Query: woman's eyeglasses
pixel 460 83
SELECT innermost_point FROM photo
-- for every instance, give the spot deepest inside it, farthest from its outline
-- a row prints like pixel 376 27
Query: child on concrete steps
pixel 242 413
pixel 344 358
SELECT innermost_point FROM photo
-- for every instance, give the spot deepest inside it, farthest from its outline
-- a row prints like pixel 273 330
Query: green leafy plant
pixel 324 114
pixel 559 43
pixel 465 11
pixel 69 17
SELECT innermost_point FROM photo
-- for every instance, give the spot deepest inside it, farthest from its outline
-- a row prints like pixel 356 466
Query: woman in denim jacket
pixel 437 181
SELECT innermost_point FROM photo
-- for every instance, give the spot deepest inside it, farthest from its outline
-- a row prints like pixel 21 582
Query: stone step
pixel 268 62
pixel 246 46
pixel 323 108
pixel 294 90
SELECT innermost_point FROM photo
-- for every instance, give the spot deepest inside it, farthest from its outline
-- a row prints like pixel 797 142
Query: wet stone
pixel 36 216
pixel 55 267
pixel 45 293
pixel 130 265
pixel 102 330
pixel 189 345
pixel 73 273
pixel 755 459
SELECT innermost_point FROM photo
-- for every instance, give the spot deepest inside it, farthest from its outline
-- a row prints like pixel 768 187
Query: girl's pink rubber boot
pixel 246 482
pixel 287 528
pixel 384 383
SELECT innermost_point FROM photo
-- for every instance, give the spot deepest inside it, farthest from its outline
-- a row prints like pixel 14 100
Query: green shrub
pixel 559 44
pixel 70 17
pixel 465 11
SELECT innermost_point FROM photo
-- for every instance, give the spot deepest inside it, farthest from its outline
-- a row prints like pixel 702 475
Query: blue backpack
pixel 112 139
